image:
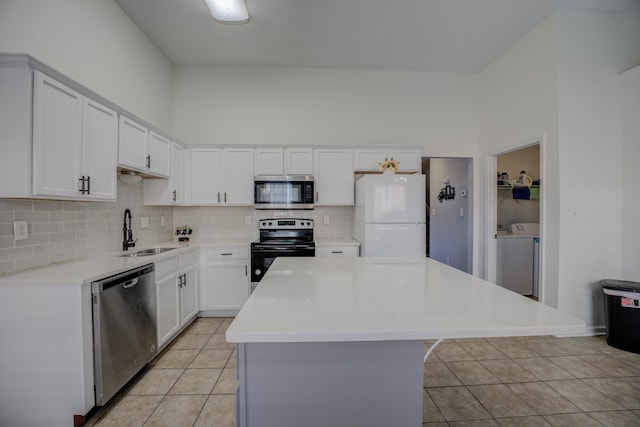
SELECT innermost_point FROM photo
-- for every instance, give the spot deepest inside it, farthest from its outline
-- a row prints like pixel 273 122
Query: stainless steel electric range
pixel 278 238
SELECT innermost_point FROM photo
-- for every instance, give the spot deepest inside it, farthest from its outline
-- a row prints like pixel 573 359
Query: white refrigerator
pixel 389 216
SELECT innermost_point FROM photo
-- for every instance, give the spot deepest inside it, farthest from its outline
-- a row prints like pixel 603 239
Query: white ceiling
pixel 420 35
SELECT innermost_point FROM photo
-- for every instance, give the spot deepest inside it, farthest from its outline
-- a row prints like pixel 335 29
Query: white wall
pixel 242 105
pixel 97 45
pixel 594 48
pixel 450 233
pixel 518 106
pixel 630 192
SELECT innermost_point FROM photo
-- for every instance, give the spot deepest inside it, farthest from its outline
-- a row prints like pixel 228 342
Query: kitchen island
pixel 340 341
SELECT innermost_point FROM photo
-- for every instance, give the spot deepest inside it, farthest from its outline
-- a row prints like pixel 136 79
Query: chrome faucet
pixel 127 241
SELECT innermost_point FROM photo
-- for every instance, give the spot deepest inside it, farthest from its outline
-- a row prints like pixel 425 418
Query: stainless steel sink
pixel 148 252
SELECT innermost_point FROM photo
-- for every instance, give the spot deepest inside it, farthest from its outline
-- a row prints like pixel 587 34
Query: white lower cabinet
pixel 337 250
pixel 225 279
pixel 177 294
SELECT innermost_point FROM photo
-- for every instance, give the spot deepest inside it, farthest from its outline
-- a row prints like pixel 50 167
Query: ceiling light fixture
pixel 130 177
pixel 228 11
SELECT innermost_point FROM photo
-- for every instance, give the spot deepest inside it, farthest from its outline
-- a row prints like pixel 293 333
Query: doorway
pixel 512 200
pixel 449 211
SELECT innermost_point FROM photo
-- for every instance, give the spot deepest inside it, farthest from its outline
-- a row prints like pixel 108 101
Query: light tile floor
pixel 515 381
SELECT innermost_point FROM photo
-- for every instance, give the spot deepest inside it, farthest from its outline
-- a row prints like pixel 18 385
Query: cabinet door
pixel 410 160
pixel 132 144
pixel 176 179
pixel 334 177
pixel 332 251
pixel 204 170
pixel 159 155
pixel 99 150
pixel 298 161
pixel 189 294
pixel 57 138
pixel 238 176
pixel 269 161
pixel 168 295
pixel 226 286
pixel 369 159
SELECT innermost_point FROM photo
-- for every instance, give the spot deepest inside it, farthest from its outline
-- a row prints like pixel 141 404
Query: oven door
pixel 262 256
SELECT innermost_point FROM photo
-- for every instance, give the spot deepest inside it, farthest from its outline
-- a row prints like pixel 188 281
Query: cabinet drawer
pixel 167 267
pixel 227 252
pixel 325 251
pixel 189 258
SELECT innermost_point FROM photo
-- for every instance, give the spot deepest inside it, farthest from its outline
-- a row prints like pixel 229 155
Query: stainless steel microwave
pixel 283 192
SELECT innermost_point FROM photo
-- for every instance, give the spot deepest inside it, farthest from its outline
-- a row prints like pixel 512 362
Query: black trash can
pixel 622 314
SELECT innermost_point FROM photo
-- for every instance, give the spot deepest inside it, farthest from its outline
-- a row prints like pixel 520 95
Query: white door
pixel 177 187
pixel 189 294
pixel 269 161
pixel 99 149
pixel 298 161
pixel 238 176
pixel 394 240
pixel 227 285
pixel 159 160
pixel 168 295
pixel 515 259
pixel 57 138
pixel 333 170
pixel 205 175
pixel 394 198
pixel 133 141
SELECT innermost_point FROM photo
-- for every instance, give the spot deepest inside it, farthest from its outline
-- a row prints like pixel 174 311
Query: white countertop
pixel 88 270
pixel 376 299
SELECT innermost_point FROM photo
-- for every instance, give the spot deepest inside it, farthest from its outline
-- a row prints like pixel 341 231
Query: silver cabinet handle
pixel 174 195
pixel 225 197
pixel 218 197
pixel 317 195
pixel 337 252
pixel 130 283
pixel 149 161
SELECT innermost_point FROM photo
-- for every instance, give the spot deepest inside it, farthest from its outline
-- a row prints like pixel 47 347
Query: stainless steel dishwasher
pixel 124 328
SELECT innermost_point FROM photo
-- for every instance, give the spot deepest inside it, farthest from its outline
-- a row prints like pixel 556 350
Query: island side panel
pixel 336 383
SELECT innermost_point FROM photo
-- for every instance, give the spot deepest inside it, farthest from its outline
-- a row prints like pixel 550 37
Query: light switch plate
pixel 163 220
pixel 247 219
pixel 21 230
pixel 144 221
pixel 326 219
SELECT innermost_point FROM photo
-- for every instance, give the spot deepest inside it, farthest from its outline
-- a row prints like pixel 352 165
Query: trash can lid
pixel 621 285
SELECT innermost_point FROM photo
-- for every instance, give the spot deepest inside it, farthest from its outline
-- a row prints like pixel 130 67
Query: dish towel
pixel 535 194
pixel 522 193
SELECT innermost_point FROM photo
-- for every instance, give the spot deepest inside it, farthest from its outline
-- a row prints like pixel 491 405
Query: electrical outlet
pixel 163 221
pixel 247 219
pixel 144 221
pixel 20 230
pixel 326 219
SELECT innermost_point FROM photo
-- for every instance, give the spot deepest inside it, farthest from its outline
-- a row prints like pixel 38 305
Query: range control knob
pixel 258 272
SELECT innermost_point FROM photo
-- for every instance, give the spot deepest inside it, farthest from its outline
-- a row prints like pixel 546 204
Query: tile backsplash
pixel 66 231
pixel 212 222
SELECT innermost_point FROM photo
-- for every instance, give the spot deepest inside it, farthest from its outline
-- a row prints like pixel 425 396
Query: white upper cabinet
pixel 298 161
pixel 203 176
pixel 334 179
pixel 158 160
pixel 370 159
pixel 133 145
pixel 74 144
pixel 99 150
pixel 287 161
pixel 143 150
pixel 170 191
pixel 220 176
pixel 269 161
pixel 237 178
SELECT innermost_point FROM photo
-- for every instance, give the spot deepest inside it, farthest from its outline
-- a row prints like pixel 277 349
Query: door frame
pixel 491 214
